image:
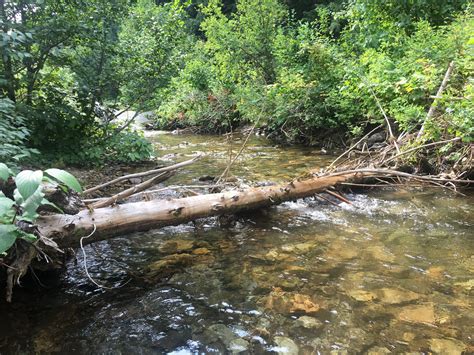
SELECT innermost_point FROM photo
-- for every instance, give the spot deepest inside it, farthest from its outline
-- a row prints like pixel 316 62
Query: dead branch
pixel 142 174
pixel 128 192
pixel 432 109
pixel 421 147
pixel 352 147
pixel 149 192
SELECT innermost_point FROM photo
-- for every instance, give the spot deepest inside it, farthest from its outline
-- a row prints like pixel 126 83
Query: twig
pixel 226 170
pixel 339 197
pixel 128 192
pixel 432 109
pixel 353 146
pixel 421 147
pixel 397 173
pixel 143 174
pixel 327 200
pixel 91 200
pixel 392 137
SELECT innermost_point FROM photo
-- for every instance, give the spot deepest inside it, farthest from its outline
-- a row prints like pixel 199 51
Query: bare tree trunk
pixel 104 223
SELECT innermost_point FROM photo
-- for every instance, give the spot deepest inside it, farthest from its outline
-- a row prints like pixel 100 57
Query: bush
pixel 13 134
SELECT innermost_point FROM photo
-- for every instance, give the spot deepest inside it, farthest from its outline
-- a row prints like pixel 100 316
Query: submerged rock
pixel 339 251
pixel 286 346
pixel 418 314
pixel 447 346
pixel 234 344
pixel 308 322
pixel 201 251
pixel 239 345
pixel 176 246
pixel 167 266
pixel 435 272
pixel 362 296
pixel 467 285
pixel 378 350
pixel 288 302
pixel 299 247
pixel 396 296
pixel 380 253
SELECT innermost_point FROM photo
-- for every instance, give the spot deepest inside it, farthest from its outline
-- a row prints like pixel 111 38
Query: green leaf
pixel 26 236
pixel 66 178
pixel 18 199
pixel 31 204
pixel 48 203
pixel 5 205
pixel 7 236
pixel 28 182
pixel 5 172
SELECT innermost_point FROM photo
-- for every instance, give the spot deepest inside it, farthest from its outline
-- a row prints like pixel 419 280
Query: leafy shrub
pixel 13 133
pixel 27 198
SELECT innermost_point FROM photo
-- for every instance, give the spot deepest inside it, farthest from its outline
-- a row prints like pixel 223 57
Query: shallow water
pixel 391 272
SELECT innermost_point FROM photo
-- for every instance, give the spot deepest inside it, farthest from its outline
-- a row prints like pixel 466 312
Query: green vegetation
pixel 303 78
pixel 23 202
pixel 299 70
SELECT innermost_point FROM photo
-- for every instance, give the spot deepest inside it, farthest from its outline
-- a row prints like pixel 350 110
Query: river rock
pixel 447 346
pixel 238 346
pixel 201 251
pixel 380 253
pixel 378 350
pixel 308 322
pixel 232 342
pixel 176 246
pixel 362 296
pixel 288 302
pixel 167 265
pixel 435 272
pixel 285 346
pixel 299 247
pixel 396 296
pixel 423 313
pixel 467 285
pixel 274 255
pixel 340 251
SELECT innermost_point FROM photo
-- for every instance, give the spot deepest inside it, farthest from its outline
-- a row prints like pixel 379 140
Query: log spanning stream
pixel 391 272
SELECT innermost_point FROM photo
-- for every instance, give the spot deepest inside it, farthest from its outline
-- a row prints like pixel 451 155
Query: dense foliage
pixel 302 78
pixel 299 69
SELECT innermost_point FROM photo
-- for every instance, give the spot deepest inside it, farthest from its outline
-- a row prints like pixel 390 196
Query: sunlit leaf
pixel 5 172
pixel 66 178
pixel 31 204
pixel 28 181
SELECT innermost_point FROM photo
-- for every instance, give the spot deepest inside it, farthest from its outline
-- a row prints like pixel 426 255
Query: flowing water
pixel 393 272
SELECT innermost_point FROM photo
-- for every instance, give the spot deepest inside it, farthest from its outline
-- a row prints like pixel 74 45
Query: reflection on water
pixel 390 273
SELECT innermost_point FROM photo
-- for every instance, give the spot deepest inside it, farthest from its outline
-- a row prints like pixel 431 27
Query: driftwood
pixel 133 190
pixel 143 174
pixel 107 222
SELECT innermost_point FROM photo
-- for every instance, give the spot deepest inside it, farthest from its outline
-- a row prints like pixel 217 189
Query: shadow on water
pixel 390 273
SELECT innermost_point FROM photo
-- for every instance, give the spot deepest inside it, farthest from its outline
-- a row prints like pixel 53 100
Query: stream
pixel 392 272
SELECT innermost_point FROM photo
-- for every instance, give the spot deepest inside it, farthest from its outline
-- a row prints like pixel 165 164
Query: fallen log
pixel 104 223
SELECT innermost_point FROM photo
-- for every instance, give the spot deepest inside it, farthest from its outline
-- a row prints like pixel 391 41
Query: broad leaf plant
pixel 27 198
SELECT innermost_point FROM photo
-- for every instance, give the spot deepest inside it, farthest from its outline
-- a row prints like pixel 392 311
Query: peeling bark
pixel 141 216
